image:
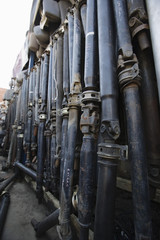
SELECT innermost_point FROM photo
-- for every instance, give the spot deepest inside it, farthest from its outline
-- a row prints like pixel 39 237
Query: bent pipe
pixel 4 209
pixel 7 182
pixel 45 224
pixel 26 170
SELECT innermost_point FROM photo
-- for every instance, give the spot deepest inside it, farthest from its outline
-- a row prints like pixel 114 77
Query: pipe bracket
pixel 113 151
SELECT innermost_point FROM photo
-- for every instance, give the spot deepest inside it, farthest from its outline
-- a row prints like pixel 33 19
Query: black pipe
pixel 26 170
pixel 4 205
pixel 148 91
pixel 75 89
pixel 129 81
pixel 65 100
pixel 41 128
pixel 46 224
pixel 59 99
pixel 7 182
pixel 89 128
pixel 53 114
pixel 70 42
pixel 109 130
pixel 29 120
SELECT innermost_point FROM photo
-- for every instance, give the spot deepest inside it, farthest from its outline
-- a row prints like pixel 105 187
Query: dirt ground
pixel 23 207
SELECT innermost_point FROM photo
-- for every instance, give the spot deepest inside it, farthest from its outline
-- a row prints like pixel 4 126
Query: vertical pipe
pixel 89 128
pixel 149 93
pixel 75 88
pixel 104 215
pixel 41 127
pixel 129 81
pixel 59 98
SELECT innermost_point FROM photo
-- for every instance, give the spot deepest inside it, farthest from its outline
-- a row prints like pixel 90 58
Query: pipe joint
pixel 138 25
pixel 89 119
pixel 110 128
pixel 74 100
pixel 128 72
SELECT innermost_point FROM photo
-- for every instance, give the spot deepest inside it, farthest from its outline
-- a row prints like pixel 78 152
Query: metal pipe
pixel 59 99
pixel 83 16
pixel 4 205
pixel 45 224
pixel 109 130
pixel 75 89
pixel 65 100
pixel 41 127
pixel 26 170
pixel 89 125
pixel 7 182
pixel 129 81
pixel 149 93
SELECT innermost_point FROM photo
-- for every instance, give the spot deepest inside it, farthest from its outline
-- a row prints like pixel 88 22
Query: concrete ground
pixel 23 207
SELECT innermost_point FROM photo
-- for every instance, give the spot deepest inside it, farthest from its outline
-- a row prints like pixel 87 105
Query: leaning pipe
pixel 45 224
pixel 26 170
pixel 7 182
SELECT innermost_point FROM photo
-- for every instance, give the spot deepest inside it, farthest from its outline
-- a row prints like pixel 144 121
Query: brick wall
pixel 2 92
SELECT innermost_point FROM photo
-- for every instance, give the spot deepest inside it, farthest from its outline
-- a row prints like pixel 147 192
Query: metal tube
pixel 26 170
pixel 41 127
pixel 137 156
pixel 148 91
pixel 129 81
pixel 89 124
pixel 75 88
pixel 7 182
pixel 5 201
pixel 59 99
pixel 45 224
pixel 109 130
pixel 83 16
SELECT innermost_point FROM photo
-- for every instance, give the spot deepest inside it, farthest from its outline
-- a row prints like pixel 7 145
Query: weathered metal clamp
pixel 113 151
